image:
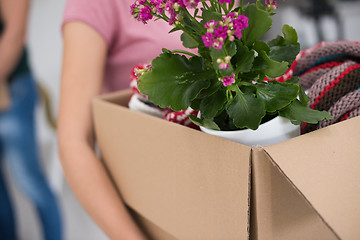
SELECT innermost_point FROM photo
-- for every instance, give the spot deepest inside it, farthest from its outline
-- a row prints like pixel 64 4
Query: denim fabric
pixel 18 147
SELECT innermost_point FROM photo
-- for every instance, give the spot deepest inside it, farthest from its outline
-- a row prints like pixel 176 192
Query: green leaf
pixel 188 41
pixel 285 48
pixel 195 104
pixel 204 52
pixel 213 104
pixel 278 41
pixel 244 59
pixel 259 64
pixel 228 50
pixel 274 68
pixel 304 99
pixel 298 112
pixel 246 111
pixel 246 87
pixel 196 12
pixel 290 38
pixel 276 95
pixel 192 27
pixel 175 80
pixel 260 5
pixel 294 80
pixel 175 29
pixel 165 50
pixel 210 15
pixel 250 76
pixel 226 72
pixel 261 46
pixel 207 123
pixel 224 122
pixel 214 86
pixel 259 23
pixel 290 35
pixel 284 53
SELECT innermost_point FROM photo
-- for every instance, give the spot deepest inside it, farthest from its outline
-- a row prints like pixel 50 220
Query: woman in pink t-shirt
pixel 101 45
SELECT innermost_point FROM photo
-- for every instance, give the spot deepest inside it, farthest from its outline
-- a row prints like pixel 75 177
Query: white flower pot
pixel 274 131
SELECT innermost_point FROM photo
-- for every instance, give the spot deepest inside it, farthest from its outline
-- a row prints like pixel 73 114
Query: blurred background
pixel 314 20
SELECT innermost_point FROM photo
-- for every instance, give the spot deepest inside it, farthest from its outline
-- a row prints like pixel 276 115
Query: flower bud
pixel 176 6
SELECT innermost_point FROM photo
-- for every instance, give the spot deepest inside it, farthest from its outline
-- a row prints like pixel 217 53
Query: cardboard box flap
pixel 200 194
pixel 324 167
pixel 273 215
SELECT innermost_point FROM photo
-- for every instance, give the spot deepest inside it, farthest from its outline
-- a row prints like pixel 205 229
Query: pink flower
pixel 208 39
pixel 133 9
pixel 271 4
pixel 229 17
pixel 159 5
pixel 230 27
pixel 227 81
pixel 238 33
pixel 191 3
pixel 240 23
pixel 172 6
pixel 224 1
pixel 223 65
pixel 145 14
pixel 217 43
pixel 211 24
pixel 221 32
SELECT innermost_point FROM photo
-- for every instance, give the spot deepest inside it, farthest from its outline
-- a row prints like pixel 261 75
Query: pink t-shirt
pixel 129 41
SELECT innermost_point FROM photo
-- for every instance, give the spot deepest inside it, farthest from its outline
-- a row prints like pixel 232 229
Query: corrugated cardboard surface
pixel 278 211
pixel 151 230
pixel 325 167
pixel 186 182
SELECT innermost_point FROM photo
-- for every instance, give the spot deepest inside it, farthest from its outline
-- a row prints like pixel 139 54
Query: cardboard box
pixel 180 183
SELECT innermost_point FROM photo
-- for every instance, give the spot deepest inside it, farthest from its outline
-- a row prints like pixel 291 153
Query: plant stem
pixel 163 17
pixel 231 5
pixel 225 9
pixel 241 6
pixel 205 5
pixel 184 52
pixel 194 21
pixel 213 5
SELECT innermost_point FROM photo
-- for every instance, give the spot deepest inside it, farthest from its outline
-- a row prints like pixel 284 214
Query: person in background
pixel 102 43
pixel 17 127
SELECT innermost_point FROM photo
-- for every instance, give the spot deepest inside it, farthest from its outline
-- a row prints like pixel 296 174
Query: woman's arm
pixel 83 69
pixel 14 15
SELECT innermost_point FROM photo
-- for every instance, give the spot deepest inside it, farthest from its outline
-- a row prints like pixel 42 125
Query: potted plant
pixel 230 79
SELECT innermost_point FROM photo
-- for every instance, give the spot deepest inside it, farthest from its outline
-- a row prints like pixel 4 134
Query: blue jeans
pixel 18 146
